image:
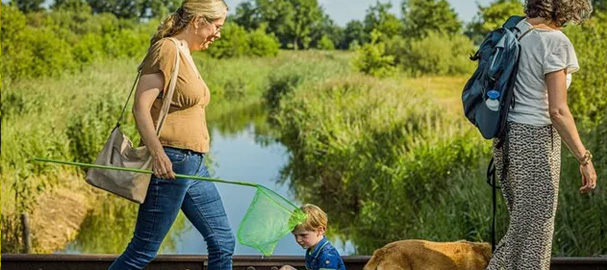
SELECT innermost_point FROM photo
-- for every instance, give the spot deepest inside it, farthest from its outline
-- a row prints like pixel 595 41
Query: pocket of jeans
pixel 176 156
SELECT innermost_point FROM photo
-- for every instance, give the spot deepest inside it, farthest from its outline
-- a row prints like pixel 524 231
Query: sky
pixel 343 11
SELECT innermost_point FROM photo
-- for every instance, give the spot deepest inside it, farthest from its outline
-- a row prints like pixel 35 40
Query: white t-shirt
pixel 542 51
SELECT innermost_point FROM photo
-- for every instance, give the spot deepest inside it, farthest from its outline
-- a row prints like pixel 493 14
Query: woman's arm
pixel 148 89
pixel 565 125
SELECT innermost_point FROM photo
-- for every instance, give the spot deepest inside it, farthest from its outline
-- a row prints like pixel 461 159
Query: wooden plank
pixel 195 262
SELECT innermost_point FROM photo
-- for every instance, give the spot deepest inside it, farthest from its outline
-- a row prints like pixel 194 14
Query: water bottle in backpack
pixel 489 93
pixel 492 102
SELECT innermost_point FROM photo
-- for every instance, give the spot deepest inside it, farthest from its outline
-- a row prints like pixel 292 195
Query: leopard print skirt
pixel 530 190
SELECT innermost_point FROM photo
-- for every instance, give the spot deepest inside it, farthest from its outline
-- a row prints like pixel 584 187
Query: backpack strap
pixel 491 181
pixel 512 22
pixel 504 143
pixel 525 33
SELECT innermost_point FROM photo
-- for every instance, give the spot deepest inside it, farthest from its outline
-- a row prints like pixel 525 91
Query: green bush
pixel 125 43
pixel 588 90
pixel 89 48
pixel 236 42
pixel 371 58
pixel 54 43
pixel 279 86
pixel 51 55
pixel 436 54
pixel 233 42
pixel 370 152
pixel 262 44
pixel 579 216
pixel 29 51
pixel 326 43
pixel 16 56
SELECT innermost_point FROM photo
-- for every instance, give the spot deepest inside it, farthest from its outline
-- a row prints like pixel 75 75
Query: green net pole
pixel 267 223
pixel 88 165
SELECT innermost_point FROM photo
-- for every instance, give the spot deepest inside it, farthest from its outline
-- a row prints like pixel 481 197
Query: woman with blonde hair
pixel 531 154
pixel 183 141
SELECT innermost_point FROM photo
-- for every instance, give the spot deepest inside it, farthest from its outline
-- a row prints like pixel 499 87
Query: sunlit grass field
pixel 390 158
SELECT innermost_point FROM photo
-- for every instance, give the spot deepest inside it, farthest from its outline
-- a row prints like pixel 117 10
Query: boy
pixel 310 235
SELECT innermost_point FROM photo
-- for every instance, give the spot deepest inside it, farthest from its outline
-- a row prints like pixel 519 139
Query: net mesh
pixel 269 218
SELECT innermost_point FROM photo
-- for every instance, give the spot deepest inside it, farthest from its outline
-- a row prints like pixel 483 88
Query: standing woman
pixel 183 142
pixel 538 122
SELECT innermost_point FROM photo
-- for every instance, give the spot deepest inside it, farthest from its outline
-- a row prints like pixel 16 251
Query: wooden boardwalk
pixel 197 262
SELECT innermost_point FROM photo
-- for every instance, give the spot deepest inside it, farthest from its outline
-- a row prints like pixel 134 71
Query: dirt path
pixel 56 219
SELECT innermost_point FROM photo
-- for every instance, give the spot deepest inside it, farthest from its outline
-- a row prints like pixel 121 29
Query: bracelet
pixel 586 158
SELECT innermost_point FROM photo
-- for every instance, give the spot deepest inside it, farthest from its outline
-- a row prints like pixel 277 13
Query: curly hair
pixel 559 11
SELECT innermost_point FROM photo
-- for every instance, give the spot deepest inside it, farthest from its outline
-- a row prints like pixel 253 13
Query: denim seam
pixel 156 203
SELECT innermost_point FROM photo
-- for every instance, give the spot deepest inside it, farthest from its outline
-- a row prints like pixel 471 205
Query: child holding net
pixel 310 235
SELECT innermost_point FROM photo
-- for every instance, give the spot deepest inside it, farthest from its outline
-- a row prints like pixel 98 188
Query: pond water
pixel 236 155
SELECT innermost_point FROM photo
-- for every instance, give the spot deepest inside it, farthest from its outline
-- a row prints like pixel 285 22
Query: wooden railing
pixel 198 262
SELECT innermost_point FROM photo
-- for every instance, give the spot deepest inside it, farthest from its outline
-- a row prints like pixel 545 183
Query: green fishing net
pixel 269 218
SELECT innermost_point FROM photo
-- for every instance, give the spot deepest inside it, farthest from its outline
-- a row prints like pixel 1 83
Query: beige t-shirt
pixel 542 51
pixel 185 126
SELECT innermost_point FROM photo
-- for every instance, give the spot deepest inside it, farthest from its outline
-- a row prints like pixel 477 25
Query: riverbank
pixel 69 117
pixel 388 158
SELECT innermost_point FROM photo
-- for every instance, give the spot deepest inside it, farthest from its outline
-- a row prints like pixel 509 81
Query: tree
pixel 72 5
pixel 492 17
pixel 371 58
pixel 158 8
pixel 247 15
pixel 27 6
pixel 307 13
pixel 133 9
pixel 277 14
pixel 124 9
pixel 327 29
pixel 380 19
pixel 290 20
pixel 355 33
pixel 423 16
pixel 599 5
pixel 496 14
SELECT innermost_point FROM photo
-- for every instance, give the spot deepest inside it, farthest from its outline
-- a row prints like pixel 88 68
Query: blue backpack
pixel 488 94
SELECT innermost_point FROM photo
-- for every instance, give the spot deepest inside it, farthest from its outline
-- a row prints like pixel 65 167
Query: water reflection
pixel 109 226
pixel 242 148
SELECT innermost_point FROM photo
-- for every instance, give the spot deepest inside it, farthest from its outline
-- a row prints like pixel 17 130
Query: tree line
pixel 303 24
pixel 427 37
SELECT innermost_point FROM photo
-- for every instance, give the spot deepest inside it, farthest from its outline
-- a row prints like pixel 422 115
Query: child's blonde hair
pixel 316 217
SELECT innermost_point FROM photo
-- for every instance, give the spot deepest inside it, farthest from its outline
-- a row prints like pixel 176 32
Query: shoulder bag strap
pixel 166 101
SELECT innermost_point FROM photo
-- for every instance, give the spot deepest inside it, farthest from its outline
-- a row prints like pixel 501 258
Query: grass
pixel 69 118
pixel 388 159
pixel 394 158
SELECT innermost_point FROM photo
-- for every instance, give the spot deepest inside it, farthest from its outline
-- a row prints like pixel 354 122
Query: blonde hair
pixel 174 23
pixel 316 217
pixel 559 12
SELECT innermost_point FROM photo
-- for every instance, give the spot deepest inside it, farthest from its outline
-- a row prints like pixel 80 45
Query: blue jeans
pixel 199 201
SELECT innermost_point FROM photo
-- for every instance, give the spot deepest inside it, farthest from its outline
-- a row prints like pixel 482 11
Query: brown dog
pixel 422 255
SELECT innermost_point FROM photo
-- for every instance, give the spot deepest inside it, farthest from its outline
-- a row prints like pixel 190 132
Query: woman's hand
pixel 588 177
pixel 162 166
pixel 565 125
